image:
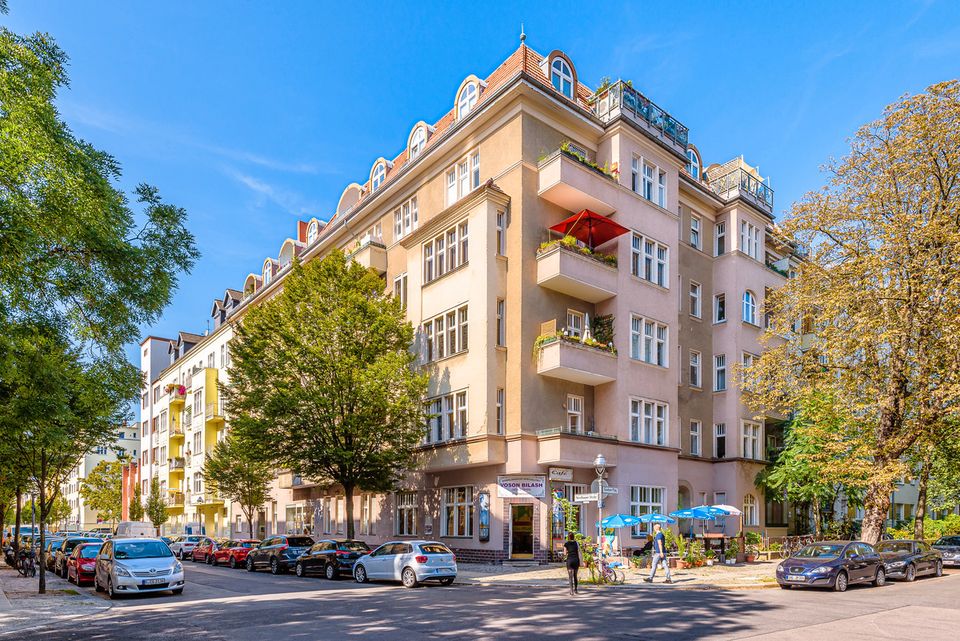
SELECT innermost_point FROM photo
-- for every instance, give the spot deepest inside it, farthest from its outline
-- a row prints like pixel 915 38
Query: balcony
pixel 177 463
pixel 175 500
pixel 464 452
pixel 579 273
pixel 372 255
pixel 621 100
pixel 207 498
pixel 736 179
pixel 176 432
pixel 214 413
pixel 567 181
pixel 178 396
pixel 568 359
pixel 560 446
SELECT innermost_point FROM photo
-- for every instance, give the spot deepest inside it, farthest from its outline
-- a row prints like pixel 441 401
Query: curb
pixel 627 586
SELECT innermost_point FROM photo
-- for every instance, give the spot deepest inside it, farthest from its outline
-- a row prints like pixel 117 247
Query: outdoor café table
pixel 709 540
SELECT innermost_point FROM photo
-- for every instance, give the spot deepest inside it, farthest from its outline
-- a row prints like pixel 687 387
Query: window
pixel 720 440
pixel 457 511
pixel 645 500
pixel 405 219
pixel 460 429
pixel 337 515
pixel 649 260
pixel 267 273
pixel 451 186
pixel 446 334
pixel 647 186
pixel 475 170
pixel 750 240
pixel 635 174
pixel 574 323
pixel 501 416
pixel 406 513
pixel 719 498
pixel 695 232
pixel 750 515
pixel 163 421
pixel 562 77
pixel 446 252
pixel 447 417
pixel 417 142
pixel 749 307
pixel 400 289
pixel 746 359
pixel 719 308
pixel 719 372
pixel 695 378
pixel 662 188
pixel 751 440
pixel 648 341
pixel 198 402
pixel 197 442
pixel 156 394
pixel 211 359
pixel 312 232
pixel 463 179
pixel 197 483
pixel 501 323
pixel 144 399
pixel 574 414
pixel 366 509
pixel 720 233
pixel 695 290
pixel 695 448
pixel 648 422
pixel 693 164
pixel 379 175
pixel 468 98
pixel 223 356
pixel 501 233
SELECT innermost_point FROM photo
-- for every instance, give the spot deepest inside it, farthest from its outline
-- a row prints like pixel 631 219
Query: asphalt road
pixel 233 605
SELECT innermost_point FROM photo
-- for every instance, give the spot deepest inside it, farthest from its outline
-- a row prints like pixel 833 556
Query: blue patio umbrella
pixel 619 520
pixel 703 513
pixel 656 517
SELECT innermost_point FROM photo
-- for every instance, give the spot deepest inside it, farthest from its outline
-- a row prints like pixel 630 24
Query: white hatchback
pixel 410 562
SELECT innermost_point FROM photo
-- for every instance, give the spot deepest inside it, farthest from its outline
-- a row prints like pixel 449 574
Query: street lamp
pixel 600 464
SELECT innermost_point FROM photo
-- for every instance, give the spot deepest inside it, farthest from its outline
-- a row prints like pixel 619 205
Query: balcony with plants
pixel 584 356
pixel 370 253
pixel 567 266
pixel 619 99
pixel 569 178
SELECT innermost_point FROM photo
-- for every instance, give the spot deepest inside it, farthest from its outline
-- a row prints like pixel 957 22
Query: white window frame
pixel 501 412
pixel 646 179
pixel 312 233
pixel 456 518
pixel 501 325
pixel 446 252
pixel 720 372
pixel 750 242
pixel 446 334
pixel 720 431
pixel 574 423
pixel 751 511
pixel 405 522
pixel 661 188
pixel 379 176
pixel 720 239
pixel 719 304
pixel 649 422
pixel 400 291
pixel 649 341
pixel 645 499
pixel 575 323
pixel 693 164
pixel 650 260
pixel 447 418
pixel 696 225
pixel 748 310
pixel 751 439
pixel 501 233
pixel 418 141
pixel 696 298
pixel 696 369
pixel 467 99
pixel 366 511
pixel 561 76
pixel 696 437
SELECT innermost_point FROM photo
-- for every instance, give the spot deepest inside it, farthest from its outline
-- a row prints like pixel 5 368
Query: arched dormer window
pixel 693 163
pixel 749 307
pixel 267 272
pixel 379 175
pixel 468 99
pixel 418 141
pixel 312 232
pixel 562 77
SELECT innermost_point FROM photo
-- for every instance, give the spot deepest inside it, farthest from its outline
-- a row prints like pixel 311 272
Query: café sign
pixel 561 474
pixel 515 487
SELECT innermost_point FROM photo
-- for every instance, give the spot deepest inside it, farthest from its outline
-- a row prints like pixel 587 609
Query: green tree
pixel 156 508
pixel 236 474
pixel 323 380
pixel 135 511
pixel 102 490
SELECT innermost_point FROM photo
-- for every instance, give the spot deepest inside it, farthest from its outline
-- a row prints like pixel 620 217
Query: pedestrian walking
pixel 659 554
pixel 572 548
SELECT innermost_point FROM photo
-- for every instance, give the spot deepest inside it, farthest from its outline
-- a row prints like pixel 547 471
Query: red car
pixel 204 550
pixel 234 553
pixel 82 563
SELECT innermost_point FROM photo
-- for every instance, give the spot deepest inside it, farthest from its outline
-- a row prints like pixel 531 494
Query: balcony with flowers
pixel 574 355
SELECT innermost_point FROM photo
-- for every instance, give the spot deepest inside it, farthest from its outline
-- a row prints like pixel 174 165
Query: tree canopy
pixel 236 472
pixel 102 490
pixel 156 507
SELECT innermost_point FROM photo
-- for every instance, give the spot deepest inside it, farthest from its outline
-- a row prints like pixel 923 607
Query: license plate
pixel 154 581
pixel 796 577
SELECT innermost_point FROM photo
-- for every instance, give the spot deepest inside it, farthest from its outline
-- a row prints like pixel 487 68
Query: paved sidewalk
pixel 743 576
pixel 21 608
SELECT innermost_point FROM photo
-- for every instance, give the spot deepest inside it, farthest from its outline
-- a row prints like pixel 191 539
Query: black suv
pixel 333 557
pixel 279 553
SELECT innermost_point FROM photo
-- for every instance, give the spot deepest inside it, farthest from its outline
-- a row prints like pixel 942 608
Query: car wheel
pixel 250 567
pixel 210 559
pixel 330 571
pixel 409 578
pixel 840 585
pixel 110 592
pixel 360 574
pixel 69 580
pixel 177 592
pixel 939 569
pixel 910 574
pixel 447 580
pixel 881 579
pixel 299 569
pixel 233 563
pixel 274 566
pixel 96 584
pixel 785 587
pixel 180 554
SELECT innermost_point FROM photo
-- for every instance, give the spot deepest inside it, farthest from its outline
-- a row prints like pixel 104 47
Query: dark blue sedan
pixel 832 564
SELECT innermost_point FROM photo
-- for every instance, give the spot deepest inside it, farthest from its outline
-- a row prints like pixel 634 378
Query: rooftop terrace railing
pixel 619 98
pixel 743 183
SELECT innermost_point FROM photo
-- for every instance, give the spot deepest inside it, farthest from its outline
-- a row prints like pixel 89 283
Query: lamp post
pixel 600 464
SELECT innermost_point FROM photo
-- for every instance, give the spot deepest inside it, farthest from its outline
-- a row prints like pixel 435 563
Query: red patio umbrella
pixel 590 227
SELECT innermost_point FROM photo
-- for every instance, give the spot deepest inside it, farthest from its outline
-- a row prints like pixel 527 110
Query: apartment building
pixel 82 517
pixel 523 396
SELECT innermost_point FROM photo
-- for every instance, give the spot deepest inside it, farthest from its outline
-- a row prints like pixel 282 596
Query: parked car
pixel 167 539
pixel 907 559
pixel 51 552
pixel 410 562
pixel 234 553
pixel 832 564
pixel 332 557
pixel 128 529
pixel 279 553
pixel 182 546
pixel 204 550
pixel 81 565
pixel 949 547
pixel 66 549
pixel 137 565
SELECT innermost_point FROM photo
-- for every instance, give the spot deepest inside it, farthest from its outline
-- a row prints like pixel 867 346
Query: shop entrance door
pixel 521 531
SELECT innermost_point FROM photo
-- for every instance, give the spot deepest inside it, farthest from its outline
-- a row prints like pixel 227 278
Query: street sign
pixel 586 498
pixel 610 490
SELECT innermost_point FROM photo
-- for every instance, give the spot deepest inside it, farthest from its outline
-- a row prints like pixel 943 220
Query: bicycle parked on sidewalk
pixel 611 572
pixel 26 563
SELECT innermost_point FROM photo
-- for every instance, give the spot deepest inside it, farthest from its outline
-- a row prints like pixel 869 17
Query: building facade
pixel 82 517
pixel 542 354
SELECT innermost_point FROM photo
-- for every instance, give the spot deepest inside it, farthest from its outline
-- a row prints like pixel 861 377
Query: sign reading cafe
pixel 516 487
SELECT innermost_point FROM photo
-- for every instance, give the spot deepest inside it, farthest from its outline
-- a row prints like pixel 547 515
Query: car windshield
pixel 142 550
pixel 193 539
pixel 435 548
pixel 299 541
pixel 354 546
pixel 247 544
pixel 72 543
pixel 897 547
pixel 820 551
pixel 89 551
pixel 948 540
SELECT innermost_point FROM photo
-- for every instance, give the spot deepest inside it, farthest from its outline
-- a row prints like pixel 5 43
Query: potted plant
pixel 710 556
pixel 751 553
pixel 731 551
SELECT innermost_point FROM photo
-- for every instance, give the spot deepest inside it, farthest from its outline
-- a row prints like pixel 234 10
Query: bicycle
pixel 26 565
pixel 610 572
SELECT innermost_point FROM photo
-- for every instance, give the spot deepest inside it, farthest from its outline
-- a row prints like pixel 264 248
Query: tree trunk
pixel 817 523
pixel 43 517
pixel 16 526
pixel 348 493
pixel 922 496
pixel 876 504
pixel 250 521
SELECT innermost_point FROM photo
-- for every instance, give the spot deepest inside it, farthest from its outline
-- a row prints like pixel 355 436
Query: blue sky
pixel 254 114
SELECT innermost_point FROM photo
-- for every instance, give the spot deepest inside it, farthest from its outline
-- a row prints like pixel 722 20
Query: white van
pixel 128 529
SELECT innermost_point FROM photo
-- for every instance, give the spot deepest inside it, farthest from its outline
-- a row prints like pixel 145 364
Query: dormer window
pixel 312 232
pixel 562 77
pixel 468 98
pixel 417 142
pixel 267 273
pixel 693 164
pixel 379 175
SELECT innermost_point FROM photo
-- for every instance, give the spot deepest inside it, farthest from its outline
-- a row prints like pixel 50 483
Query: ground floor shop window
pixel 458 511
pixel 406 513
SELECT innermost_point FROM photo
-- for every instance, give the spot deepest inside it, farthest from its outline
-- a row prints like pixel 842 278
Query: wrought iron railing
pixel 564 429
pixel 620 98
pixel 743 183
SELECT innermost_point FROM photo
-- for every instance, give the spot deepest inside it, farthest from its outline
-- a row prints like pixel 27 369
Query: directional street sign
pixel 610 490
pixel 586 498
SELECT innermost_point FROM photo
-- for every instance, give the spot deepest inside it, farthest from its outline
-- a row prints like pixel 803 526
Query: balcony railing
pixel 176 430
pixel 175 499
pixel 740 182
pixel 214 412
pixel 621 99
pixel 577 272
pixel 177 463
pixel 564 429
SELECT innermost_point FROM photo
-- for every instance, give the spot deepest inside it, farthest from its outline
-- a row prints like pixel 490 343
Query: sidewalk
pixel 744 576
pixel 22 608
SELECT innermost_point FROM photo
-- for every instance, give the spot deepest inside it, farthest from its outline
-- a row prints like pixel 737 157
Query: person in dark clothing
pixel 572 548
